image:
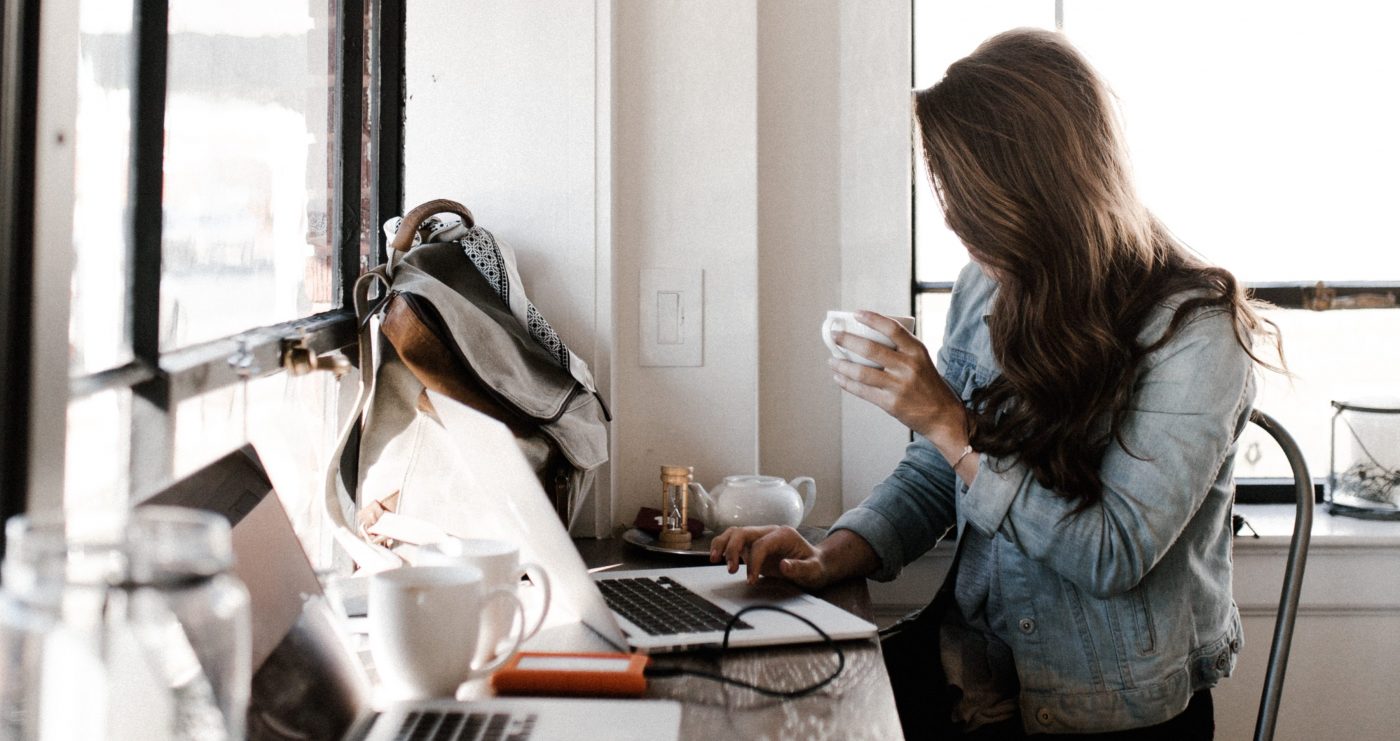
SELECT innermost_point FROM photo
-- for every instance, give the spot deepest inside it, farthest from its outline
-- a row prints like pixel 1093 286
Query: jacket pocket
pixel 1088 636
pixel 1139 609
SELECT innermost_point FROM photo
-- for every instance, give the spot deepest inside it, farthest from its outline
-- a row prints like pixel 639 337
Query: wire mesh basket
pixel 1363 479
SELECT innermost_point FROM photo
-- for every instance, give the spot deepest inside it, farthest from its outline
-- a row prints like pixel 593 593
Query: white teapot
pixel 756 500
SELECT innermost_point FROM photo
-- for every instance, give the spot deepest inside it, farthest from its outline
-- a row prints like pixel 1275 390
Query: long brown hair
pixel 1026 156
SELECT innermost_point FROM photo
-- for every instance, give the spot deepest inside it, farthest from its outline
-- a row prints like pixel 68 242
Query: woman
pixel 1079 430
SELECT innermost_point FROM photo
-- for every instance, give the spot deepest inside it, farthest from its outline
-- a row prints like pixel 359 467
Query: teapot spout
pixel 703 498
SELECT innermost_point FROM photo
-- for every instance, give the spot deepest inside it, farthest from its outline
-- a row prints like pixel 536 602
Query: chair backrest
pixel 1292 578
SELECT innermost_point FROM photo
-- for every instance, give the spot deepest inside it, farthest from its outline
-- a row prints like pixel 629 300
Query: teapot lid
pixel 754 480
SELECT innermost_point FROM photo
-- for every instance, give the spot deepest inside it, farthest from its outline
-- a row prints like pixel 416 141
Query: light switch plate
pixel 672 317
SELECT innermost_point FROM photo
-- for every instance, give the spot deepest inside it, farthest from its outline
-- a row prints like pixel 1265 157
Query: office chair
pixel 1292 578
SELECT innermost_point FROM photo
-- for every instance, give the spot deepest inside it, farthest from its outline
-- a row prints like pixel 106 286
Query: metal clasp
pixel 298 359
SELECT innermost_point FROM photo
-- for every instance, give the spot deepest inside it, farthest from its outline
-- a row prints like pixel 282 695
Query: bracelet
pixel 965 451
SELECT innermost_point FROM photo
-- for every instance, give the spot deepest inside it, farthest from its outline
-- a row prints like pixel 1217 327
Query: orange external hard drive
pixel 580 674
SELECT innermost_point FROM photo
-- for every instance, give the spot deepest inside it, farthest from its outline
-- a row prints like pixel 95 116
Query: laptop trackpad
pixel 767 591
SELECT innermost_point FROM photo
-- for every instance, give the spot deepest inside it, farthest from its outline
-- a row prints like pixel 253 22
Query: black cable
pixel 662 672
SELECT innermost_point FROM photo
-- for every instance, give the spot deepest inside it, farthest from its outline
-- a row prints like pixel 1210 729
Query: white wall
pixel 765 144
pixel 685 175
pixel 834 230
pixel 799 266
pixel 1342 668
pixel 502 115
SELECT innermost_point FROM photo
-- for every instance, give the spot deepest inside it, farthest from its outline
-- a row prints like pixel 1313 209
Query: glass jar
pixel 1364 476
pixel 134 617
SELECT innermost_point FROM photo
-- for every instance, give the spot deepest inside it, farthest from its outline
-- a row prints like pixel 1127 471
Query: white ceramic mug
pixel 425 624
pixel 499 561
pixel 845 321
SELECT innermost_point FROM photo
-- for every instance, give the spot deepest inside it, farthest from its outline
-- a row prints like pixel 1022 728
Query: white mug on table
pixel 425 626
pixel 845 321
pixel 499 561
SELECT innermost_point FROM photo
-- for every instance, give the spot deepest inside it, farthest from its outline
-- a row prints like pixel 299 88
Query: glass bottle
pixel 134 616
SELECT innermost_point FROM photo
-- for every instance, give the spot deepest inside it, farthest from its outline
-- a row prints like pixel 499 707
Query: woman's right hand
pixel 772 550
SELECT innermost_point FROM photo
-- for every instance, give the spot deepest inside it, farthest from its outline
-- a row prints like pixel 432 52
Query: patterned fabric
pixel 481 248
pixel 486 256
pixel 547 337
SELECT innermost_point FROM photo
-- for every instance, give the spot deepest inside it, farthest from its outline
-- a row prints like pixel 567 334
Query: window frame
pixel 19 78
pixel 160 381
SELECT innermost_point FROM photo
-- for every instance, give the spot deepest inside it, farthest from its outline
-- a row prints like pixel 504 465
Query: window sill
pixel 1274 523
pixel 1350 567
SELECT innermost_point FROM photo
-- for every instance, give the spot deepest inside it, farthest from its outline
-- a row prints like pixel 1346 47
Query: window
pixel 19 51
pixel 1262 135
pixel 230 163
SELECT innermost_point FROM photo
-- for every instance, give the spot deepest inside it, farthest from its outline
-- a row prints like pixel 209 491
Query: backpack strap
pixel 338 510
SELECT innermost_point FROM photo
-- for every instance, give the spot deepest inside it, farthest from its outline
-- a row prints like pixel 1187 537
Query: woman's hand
pixel 908 387
pixel 771 550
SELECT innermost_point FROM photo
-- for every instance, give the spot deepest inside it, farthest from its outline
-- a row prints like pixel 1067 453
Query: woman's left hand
pixel 908 387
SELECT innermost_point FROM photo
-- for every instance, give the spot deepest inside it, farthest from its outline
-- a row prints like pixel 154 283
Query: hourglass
pixel 675 490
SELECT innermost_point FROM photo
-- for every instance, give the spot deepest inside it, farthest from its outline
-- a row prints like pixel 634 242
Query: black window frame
pixel 19 81
pixel 160 381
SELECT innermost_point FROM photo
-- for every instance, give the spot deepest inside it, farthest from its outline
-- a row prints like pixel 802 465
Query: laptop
pixel 490 491
pixel 307 680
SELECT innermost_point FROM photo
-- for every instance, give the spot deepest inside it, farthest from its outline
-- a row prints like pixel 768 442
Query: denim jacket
pixel 1122 611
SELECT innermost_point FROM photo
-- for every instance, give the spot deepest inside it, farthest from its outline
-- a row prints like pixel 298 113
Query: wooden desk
pixel 857 705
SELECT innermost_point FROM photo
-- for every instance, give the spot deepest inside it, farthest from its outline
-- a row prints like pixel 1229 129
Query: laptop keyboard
pixel 452 725
pixel 660 606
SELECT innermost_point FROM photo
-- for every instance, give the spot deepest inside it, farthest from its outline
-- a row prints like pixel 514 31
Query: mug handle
pixel 835 323
pixel 809 499
pixel 518 635
pixel 538 576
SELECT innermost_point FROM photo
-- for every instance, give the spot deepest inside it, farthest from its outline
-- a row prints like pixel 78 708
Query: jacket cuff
pixel 880 533
pixel 987 500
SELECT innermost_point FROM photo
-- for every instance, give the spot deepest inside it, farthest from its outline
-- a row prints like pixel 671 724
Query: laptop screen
pixel 486 489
